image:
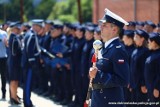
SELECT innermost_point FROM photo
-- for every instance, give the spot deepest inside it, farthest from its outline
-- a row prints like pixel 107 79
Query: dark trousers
pixel 28 83
pixel 138 96
pixel 66 83
pixel 78 89
pixel 85 84
pixel 3 74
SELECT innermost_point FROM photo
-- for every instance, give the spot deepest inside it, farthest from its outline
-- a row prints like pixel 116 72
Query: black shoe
pixel 65 102
pixel 14 102
pixel 58 99
pixel 52 97
pixel 72 104
pixel 4 96
pixel 46 94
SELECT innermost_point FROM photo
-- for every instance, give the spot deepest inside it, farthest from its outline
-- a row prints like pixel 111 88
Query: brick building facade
pixel 130 10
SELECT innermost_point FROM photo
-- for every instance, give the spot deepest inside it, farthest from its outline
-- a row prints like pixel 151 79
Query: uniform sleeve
pixel 142 67
pixel 15 46
pixel 120 74
pixel 157 80
pixel 31 50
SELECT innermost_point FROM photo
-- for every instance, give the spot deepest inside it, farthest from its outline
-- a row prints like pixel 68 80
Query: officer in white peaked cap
pixel 111 73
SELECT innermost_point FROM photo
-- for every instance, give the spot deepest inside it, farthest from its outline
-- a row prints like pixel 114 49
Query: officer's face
pixel 148 28
pixel 107 31
pixel 127 41
pixel 65 30
pixel 36 28
pixel 79 34
pixel 152 45
pixel 97 36
pixel 55 32
pixel 15 30
pixel 88 35
pixel 47 27
pixel 138 40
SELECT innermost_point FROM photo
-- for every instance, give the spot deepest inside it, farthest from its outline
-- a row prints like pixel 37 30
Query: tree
pixel 68 11
pixel 43 9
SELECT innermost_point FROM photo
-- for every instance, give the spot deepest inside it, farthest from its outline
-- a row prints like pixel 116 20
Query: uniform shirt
pixel 3 36
pixel 109 41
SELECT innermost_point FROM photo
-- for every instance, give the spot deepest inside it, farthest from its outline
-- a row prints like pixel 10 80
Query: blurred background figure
pixel 129 46
pixel 131 26
pixel 152 68
pixel 14 62
pixel 3 59
pixel 139 55
pixel 139 25
pixel 97 34
pixel 157 28
pixel 149 26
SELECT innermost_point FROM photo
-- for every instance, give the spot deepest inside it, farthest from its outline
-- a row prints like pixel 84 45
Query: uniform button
pixel 105 97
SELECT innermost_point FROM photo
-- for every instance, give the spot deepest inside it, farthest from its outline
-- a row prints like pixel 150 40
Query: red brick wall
pixel 145 9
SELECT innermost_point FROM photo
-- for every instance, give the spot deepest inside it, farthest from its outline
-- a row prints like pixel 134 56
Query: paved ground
pixel 38 101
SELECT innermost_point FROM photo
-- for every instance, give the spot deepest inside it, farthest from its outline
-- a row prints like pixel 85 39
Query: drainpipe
pixel 135 10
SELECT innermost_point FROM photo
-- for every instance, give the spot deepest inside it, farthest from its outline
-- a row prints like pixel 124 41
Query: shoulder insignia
pixel 118 46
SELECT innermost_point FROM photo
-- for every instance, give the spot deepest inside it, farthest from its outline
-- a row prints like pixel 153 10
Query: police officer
pixel 57 64
pixel 79 42
pixel 112 71
pixel 85 61
pixel 66 75
pixel 131 26
pixel 3 59
pixel 31 59
pixel 152 68
pixel 97 34
pixel 14 62
pixel 129 46
pixel 158 28
pixel 139 25
pixel 139 55
pixel 149 26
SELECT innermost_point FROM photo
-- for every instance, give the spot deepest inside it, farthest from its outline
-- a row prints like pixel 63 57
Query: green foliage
pixel 86 10
pixel 11 10
pixel 43 9
pixel 65 11
pixel 68 11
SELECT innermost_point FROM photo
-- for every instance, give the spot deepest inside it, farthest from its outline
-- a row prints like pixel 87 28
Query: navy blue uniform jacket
pixel 152 71
pixel 113 73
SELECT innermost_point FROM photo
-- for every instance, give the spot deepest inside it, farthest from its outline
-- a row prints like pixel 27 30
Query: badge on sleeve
pixel 120 61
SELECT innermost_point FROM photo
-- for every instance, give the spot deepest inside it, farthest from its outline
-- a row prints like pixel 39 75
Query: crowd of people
pixel 53 60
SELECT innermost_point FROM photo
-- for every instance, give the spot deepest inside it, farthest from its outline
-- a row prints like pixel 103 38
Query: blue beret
pixel 129 33
pixel 113 18
pixel 131 23
pixel 81 28
pixel 155 37
pixel 97 29
pixel 150 23
pixel 90 29
pixel 57 26
pixel 68 25
pixel 142 33
pixel 140 23
pixel 49 22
